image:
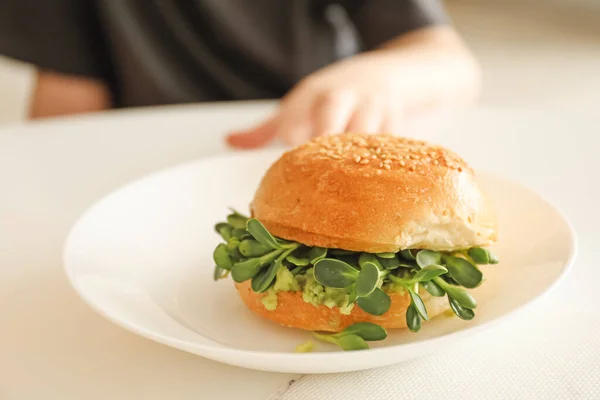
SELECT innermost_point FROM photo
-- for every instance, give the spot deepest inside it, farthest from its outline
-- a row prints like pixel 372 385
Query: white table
pixel 52 346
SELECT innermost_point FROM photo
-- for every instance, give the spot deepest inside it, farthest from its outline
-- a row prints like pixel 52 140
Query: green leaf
pixel 232 246
pixel 433 288
pixel 428 273
pixel 300 262
pixel 260 233
pixel 367 279
pixel 462 313
pixel 297 270
pixel 224 229
pixel 340 252
pixel 346 342
pixel 253 248
pixel 408 254
pixel 386 255
pixel 390 263
pixel 461 296
pixel 326 337
pixel 221 257
pixel 237 221
pixel 408 264
pixel 237 213
pixel 351 259
pixel 240 234
pixel 316 253
pixel 426 258
pixel 479 255
pixel 259 279
pixel 355 336
pixel 369 258
pixel 334 273
pixel 221 225
pixel 398 280
pixel 219 273
pixel 413 319
pixel 366 330
pixel 269 257
pixel 417 302
pixel 264 281
pixel 245 270
pixel 463 272
pixel 283 242
pixel 352 342
pixel 377 303
pixel 352 294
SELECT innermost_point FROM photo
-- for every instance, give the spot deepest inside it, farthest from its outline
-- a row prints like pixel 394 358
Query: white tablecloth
pixel 550 352
pixel 52 346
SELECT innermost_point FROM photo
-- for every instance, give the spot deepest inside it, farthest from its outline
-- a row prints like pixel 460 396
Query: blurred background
pixel 534 54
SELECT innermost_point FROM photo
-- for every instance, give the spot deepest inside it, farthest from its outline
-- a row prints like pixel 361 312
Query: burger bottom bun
pixel 292 311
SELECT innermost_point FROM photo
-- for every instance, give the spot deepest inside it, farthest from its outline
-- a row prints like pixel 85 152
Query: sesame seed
pixel 387 166
pixel 379 172
pixel 414 155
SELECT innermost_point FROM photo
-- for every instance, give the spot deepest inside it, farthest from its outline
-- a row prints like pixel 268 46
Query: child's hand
pixel 372 92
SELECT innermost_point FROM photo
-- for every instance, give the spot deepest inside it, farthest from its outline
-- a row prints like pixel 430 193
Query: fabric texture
pixel 178 51
pixel 550 351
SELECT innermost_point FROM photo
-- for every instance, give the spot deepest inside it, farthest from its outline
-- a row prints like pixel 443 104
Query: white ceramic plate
pixel 142 257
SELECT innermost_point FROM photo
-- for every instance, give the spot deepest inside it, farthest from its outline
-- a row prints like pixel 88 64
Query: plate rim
pixel 227 354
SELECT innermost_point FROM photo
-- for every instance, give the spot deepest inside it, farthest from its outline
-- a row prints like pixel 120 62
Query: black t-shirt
pixel 176 51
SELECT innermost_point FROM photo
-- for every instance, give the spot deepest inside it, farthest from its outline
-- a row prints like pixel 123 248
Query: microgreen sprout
pixel 250 252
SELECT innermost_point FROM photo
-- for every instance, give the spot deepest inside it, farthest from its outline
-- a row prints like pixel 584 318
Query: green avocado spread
pixel 312 291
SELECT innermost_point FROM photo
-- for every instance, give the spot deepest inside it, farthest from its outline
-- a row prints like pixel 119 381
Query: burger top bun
pixel 373 194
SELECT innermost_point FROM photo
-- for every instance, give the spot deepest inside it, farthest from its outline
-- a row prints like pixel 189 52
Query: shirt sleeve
pixel 59 35
pixel 378 21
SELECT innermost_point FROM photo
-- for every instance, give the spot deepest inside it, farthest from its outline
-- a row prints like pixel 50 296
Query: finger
pixel 367 117
pixel 258 136
pixel 295 119
pixel 295 131
pixel 332 112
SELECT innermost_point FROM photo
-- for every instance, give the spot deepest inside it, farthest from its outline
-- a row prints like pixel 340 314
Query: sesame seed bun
pixel 292 311
pixel 374 193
